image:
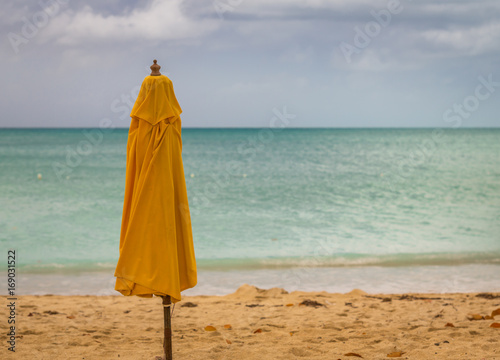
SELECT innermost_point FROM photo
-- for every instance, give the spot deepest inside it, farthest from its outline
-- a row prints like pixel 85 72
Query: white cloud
pixel 161 20
pixel 314 4
pixel 471 41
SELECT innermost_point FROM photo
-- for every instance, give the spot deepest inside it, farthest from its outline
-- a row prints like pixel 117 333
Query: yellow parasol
pixel 156 241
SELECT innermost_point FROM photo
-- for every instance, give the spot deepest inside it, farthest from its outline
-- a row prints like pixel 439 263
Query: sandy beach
pixel 259 324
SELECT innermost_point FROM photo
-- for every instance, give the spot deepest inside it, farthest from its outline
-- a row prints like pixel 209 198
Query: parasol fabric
pixel 156 241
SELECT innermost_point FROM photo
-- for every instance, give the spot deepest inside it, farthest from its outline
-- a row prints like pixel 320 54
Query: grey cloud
pixel 260 55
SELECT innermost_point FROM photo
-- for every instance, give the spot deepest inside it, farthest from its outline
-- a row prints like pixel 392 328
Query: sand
pixel 257 324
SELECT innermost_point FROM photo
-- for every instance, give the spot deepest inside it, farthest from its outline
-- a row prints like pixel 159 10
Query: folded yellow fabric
pixel 156 100
pixel 156 241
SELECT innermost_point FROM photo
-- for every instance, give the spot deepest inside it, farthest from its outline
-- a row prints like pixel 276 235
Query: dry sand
pixel 265 324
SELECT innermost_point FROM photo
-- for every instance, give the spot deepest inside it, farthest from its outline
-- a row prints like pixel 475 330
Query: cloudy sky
pixel 332 63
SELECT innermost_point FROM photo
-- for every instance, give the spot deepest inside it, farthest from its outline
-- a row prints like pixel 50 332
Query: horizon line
pixel 265 127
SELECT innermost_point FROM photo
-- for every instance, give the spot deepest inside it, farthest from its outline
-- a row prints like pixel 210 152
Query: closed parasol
pixel 156 242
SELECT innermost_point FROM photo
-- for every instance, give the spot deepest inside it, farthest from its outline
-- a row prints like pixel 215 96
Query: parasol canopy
pixel 156 241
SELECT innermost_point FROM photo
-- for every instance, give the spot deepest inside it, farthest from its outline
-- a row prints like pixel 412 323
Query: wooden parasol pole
pixel 167 328
pixel 167 324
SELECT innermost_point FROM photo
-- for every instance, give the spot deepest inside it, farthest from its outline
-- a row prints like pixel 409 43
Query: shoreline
pixel 265 324
pixel 421 279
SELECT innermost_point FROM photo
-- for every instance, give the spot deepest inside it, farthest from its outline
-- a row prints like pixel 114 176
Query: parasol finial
pixel 155 69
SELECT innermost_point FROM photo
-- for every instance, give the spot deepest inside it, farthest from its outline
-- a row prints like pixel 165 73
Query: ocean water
pixel 384 210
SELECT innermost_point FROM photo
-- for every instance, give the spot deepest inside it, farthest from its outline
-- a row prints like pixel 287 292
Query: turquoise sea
pixel 384 210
